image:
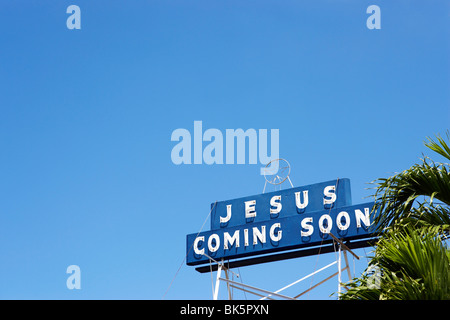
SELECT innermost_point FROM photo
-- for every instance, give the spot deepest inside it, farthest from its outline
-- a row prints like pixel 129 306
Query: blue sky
pixel 86 176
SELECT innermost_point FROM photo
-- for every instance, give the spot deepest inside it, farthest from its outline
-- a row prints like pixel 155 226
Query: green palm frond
pixel 440 147
pixel 415 265
pixel 414 223
pixel 396 195
pixel 430 215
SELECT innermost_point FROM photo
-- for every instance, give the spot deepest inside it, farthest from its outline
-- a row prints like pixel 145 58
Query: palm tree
pixel 396 195
pixel 411 256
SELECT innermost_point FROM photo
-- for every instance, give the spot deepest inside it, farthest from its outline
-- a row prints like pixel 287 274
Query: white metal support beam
pixel 265 294
pixel 339 271
pixel 216 288
pixel 237 284
pixel 305 277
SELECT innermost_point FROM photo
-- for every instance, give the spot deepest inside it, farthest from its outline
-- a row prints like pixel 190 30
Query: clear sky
pixel 86 117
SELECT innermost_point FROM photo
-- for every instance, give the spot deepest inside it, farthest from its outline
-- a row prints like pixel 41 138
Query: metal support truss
pixel 266 294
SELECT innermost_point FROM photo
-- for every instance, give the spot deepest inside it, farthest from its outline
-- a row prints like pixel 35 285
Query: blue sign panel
pixel 291 232
pixel 279 204
pixel 282 220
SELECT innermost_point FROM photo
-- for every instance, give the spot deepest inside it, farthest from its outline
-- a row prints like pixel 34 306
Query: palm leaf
pixel 396 195
pixel 440 147
pixel 414 263
pixel 414 220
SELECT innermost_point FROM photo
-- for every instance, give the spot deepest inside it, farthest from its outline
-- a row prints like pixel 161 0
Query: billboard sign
pixel 282 220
